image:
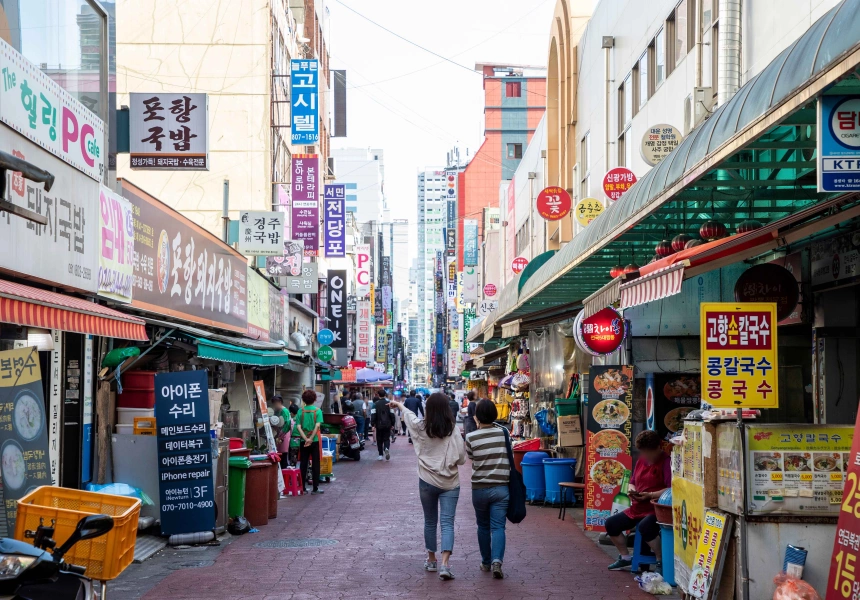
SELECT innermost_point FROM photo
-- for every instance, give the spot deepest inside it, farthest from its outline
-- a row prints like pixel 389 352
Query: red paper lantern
pixel 749 225
pixel 665 249
pixel 712 230
pixel 631 271
pixel 692 243
pixel 616 271
pixel 679 241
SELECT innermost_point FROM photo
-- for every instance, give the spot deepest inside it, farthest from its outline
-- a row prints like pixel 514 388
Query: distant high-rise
pixel 362 171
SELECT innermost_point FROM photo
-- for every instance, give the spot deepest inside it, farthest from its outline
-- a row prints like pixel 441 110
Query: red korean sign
pixel 553 203
pixel 518 264
pixel 844 578
pixel 490 290
pixel 739 357
pixel 601 333
pixel 617 181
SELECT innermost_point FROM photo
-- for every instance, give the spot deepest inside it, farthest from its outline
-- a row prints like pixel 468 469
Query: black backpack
pixel 383 417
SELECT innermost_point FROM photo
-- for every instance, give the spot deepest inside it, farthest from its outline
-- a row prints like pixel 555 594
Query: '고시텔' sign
pixel 601 333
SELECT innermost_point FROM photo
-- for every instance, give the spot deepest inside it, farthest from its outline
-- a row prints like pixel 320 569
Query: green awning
pixel 237 354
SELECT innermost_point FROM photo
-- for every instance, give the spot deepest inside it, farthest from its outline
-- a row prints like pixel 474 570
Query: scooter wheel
pixel 356 455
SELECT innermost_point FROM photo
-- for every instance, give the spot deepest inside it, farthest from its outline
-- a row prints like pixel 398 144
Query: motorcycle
pixel 350 444
pixel 33 573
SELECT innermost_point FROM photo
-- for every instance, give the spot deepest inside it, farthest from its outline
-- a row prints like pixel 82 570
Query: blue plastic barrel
pixel 667 543
pixel 533 476
pixel 557 470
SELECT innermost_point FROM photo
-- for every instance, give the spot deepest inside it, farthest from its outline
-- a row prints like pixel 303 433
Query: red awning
pixel 658 284
pixel 713 250
pixel 32 307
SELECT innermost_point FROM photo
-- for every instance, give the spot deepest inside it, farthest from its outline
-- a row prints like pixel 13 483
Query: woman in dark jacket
pixel 382 421
pixel 469 424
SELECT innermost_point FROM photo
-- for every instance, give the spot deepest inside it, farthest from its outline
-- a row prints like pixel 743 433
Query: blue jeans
pixel 491 509
pixel 359 426
pixel 431 499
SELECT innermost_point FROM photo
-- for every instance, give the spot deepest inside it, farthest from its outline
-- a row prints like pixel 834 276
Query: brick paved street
pixel 373 512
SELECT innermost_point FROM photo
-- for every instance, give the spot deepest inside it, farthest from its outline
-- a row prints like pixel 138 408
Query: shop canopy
pixel 752 159
pixel 484 360
pixel 33 307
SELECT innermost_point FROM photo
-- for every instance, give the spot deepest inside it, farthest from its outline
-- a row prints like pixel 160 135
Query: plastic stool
pixel 292 482
pixel 640 560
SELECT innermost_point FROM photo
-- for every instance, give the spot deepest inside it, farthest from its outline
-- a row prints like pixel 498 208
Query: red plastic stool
pixel 292 482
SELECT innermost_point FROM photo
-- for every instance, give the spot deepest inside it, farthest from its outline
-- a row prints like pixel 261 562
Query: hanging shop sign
pixel 337 307
pixel 489 290
pixel 304 104
pixel 518 264
pixel 553 203
pixel 185 489
pixel 325 336
pixel 793 263
pixel 658 141
pixel 492 218
pixel 258 306
pixel 470 242
pixel 334 208
pixel 610 402
pixel 381 344
pixel 364 332
pixel 600 334
pixel 451 240
pixel 841 581
pixel 835 261
pixel 37 107
pixel 23 431
pixel 470 285
pixel 288 264
pixel 617 181
pixel 587 210
pixel 674 396
pixel 305 283
pixel 261 233
pixel 305 217
pixel 838 147
pixel 168 131
pixel 182 270
pixel 688 508
pixel 469 317
pixel 485 307
pixel 769 282
pixel 277 315
pixel 738 354
pixel 325 353
pixel 116 246
pixel 362 269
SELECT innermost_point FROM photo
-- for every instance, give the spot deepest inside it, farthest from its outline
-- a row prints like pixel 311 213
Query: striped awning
pixel 605 296
pixel 659 284
pixel 32 307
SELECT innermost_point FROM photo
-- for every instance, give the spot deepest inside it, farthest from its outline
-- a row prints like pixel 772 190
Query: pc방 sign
pixel 362 269
pixel 304 86
pixel 261 233
pixel 305 219
pixel 116 247
pixel 168 131
pixel 334 207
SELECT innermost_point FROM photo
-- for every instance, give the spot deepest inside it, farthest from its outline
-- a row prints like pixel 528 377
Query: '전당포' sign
pixel 838 143
pixel 739 359
pixel 305 210
pixel 116 246
pixel 168 131
pixel 305 111
pixel 261 233
pixel 334 205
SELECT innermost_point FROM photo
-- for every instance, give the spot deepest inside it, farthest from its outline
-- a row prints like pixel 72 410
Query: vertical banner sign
pixel 386 283
pixel 470 242
pixel 185 489
pixel 305 211
pixel 380 344
pixel 451 280
pixel 258 306
pixel 841 581
pixel 610 406
pixel 168 131
pixel 838 144
pixel 276 315
pixel 469 317
pixel 337 307
pixel 364 337
pixel 305 109
pixel 739 359
pixel 261 233
pixel 334 207
pixel 116 246
pixel 470 285
pixel 23 431
pixel 87 421
pixel 362 269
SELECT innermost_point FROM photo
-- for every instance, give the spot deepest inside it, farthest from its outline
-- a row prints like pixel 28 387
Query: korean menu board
pixel 797 469
pixel 610 406
pixel 185 489
pixel 182 270
pixel 675 395
pixel 842 581
pixel 23 435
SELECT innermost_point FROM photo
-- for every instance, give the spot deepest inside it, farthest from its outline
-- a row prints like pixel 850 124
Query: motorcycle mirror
pixel 89 527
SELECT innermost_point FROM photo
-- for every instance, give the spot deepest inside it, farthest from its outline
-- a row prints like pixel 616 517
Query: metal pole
pixel 225 212
pixel 742 530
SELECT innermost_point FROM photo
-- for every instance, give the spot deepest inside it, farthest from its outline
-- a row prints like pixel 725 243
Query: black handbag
pixel 516 487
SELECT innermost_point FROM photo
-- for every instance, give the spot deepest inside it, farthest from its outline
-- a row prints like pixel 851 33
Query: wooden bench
pixel 568 485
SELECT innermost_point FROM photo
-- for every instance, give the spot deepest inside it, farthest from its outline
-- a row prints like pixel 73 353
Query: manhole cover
pixel 194 564
pixel 296 543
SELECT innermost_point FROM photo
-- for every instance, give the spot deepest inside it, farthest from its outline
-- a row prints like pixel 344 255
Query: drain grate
pixel 296 543
pixel 194 564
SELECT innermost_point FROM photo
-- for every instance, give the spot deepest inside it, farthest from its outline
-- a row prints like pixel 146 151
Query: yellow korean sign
pixel 708 554
pixel 587 210
pixel 739 357
pixel 689 512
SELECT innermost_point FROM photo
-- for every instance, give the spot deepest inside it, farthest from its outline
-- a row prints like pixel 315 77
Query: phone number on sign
pixel 187 505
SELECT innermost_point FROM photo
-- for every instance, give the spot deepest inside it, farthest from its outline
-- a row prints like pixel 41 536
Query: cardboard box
pixel 569 431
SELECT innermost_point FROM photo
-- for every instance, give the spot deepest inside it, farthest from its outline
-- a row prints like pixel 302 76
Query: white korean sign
pixel 116 246
pixel 364 346
pixel 470 285
pixel 261 233
pixel 169 131
pixel 362 269
pixel 65 251
pixel 486 307
pixel 658 142
pixel 36 106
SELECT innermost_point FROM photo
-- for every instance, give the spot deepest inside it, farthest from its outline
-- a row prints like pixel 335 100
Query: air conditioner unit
pixel 697 107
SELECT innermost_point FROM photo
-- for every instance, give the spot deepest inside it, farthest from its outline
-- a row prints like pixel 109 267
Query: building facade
pixel 362 172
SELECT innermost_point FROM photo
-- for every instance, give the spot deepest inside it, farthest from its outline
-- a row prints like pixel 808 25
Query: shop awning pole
pixel 138 357
pixel 742 519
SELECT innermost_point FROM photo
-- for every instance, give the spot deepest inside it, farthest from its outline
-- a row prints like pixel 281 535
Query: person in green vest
pixel 310 419
pixel 295 438
pixel 282 433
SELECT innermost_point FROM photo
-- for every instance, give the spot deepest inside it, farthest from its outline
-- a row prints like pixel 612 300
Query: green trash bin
pixel 239 466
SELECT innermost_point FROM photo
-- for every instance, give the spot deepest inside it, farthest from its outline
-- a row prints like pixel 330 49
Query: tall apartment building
pixel 362 171
pixel 400 267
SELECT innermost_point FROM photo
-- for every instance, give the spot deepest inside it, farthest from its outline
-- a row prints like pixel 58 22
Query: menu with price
pixel 185 483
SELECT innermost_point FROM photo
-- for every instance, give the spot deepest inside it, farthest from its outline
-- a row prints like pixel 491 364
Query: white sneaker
pixel 379 458
pixel 387 455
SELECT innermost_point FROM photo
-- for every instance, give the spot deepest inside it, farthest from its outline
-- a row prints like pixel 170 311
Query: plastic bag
pixel 121 489
pixel 653 583
pixel 791 588
pixel 546 426
pixel 117 355
pixel 238 526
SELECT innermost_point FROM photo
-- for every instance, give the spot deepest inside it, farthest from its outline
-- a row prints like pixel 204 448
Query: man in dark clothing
pixel 469 424
pixel 455 408
pixel 413 403
pixel 383 421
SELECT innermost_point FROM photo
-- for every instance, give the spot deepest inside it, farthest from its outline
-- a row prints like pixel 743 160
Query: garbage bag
pixel 121 489
pixel 238 526
pixel 653 583
pixel 118 355
pixel 791 588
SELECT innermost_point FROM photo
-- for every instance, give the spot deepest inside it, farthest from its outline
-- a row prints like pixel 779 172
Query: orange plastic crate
pixel 104 557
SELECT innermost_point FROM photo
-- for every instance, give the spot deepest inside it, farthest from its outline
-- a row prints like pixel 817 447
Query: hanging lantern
pixel 616 271
pixel 665 249
pixel 692 243
pixel 631 271
pixel 749 225
pixel 680 241
pixel 712 230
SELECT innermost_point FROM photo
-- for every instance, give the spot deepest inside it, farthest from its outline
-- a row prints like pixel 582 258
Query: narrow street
pixel 372 514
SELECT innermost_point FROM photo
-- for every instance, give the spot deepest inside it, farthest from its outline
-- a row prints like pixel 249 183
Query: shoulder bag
pixel 516 487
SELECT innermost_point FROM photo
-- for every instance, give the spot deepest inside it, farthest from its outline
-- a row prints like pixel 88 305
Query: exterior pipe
pixel 729 59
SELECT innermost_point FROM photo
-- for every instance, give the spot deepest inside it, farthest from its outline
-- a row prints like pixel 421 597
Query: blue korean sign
pixel 839 144
pixel 304 85
pixel 186 492
pixel 470 242
pixel 334 202
pixel 325 337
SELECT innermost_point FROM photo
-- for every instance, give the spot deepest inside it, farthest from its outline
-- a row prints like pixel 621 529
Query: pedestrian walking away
pixel 359 408
pixel 491 470
pixel 414 404
pixel 440 451
pixel 383 421
pixel 469 423
pixel 309 421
